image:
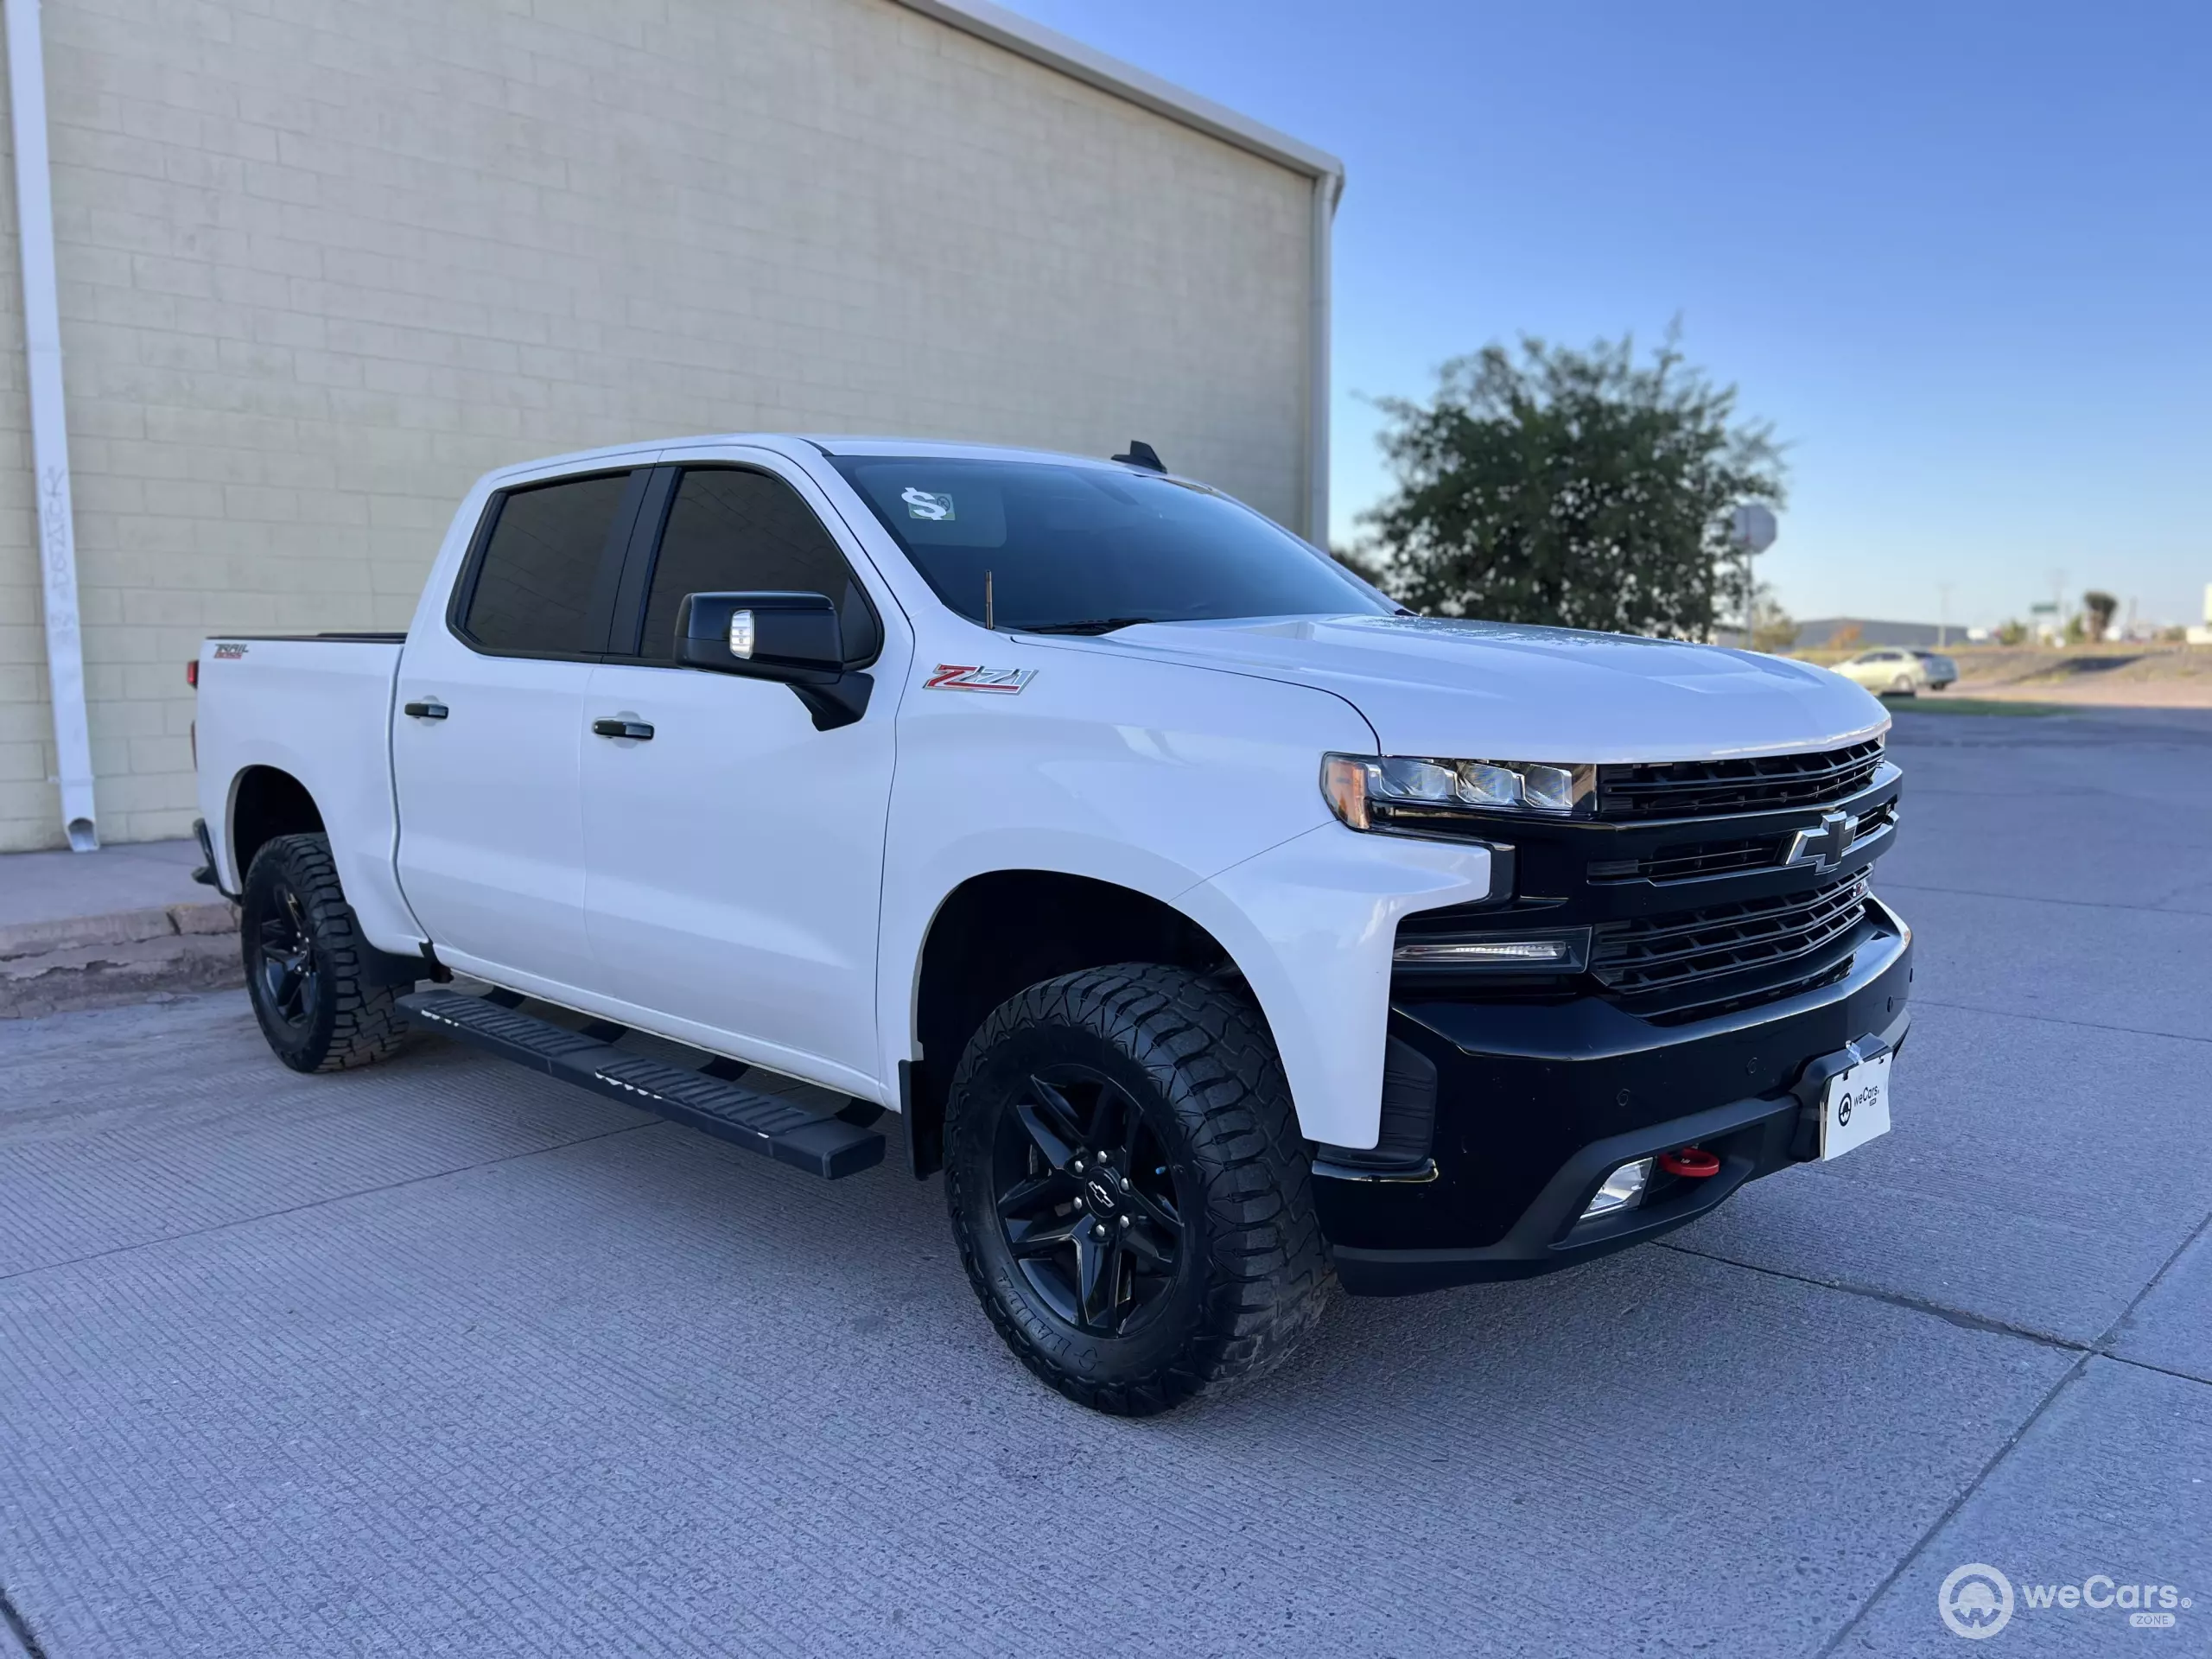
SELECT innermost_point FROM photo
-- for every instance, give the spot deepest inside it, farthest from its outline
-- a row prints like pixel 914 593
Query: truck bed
pixel 317 707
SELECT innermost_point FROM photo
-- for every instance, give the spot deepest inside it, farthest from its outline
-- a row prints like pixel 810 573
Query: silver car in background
pixel 1887 671
pixel 1941 670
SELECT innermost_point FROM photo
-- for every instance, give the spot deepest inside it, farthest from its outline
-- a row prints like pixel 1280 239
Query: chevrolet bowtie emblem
pixel 1823 845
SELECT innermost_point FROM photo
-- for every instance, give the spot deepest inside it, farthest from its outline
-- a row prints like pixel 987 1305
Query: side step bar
pixel 828 1147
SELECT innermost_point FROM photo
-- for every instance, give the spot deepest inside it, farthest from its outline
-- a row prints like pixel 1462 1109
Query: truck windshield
pixel 1082 550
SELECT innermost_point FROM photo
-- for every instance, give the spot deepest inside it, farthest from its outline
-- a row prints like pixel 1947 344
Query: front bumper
pixel 1536 1104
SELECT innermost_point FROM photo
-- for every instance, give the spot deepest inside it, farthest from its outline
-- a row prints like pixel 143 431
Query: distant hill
pixel 1811 635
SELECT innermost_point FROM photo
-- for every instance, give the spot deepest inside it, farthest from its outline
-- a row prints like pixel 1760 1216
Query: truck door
pixel 735 854
pixel 490 725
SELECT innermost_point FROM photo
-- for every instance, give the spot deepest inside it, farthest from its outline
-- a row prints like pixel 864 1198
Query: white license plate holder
pixel 1855 1106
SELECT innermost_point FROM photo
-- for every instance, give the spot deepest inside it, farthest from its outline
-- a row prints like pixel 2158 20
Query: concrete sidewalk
pixel 123 924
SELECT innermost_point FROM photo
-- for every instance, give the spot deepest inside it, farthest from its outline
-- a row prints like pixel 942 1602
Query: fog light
pixel 1623 1190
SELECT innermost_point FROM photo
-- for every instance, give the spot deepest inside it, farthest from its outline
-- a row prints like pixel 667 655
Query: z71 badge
pixel 952 676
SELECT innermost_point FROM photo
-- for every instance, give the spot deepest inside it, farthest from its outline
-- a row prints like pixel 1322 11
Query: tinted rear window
pixel 536 585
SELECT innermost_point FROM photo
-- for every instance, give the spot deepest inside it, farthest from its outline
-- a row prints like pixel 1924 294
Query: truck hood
pixel 1487 691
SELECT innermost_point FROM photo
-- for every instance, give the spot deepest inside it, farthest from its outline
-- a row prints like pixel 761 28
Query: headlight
pixel 1377 792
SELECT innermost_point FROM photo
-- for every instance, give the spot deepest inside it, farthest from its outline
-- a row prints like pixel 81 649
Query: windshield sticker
pixel 921 504
pixel 954 677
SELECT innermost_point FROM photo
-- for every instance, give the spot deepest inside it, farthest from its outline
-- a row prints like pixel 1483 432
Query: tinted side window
pixel 730 530
pixel 535 587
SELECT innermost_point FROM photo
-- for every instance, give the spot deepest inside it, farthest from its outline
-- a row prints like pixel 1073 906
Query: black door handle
pixel 424 710
pixel 632 728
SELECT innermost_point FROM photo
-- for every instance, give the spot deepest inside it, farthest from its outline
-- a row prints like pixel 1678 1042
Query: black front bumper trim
pixel 1547 1235
pixel 1539 1105
pixel 1414 1174
pixel 1752 1138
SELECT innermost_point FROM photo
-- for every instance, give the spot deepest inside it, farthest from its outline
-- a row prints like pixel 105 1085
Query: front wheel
pixel 1128 1188
pixel 1901 686
pixel 308 971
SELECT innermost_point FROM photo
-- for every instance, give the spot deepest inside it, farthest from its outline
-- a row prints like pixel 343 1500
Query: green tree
pixel 1773 629
pixel 2099 608
pixel 2011 632
pixel 1574 488
pixel 1363 563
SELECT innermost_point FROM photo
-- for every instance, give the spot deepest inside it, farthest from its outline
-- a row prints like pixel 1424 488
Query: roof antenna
pixel 1141 454
pixel 990 620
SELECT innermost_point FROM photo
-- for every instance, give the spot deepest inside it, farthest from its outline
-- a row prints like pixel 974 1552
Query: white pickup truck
pixel 1222 932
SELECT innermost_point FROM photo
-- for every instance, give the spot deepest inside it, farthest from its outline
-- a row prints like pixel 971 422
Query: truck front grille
pixel 1695 861
pixel 1681 948
pixel 1692 861
pixel 1767 782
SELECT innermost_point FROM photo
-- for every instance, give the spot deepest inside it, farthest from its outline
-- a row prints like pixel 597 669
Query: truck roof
pixel 824 443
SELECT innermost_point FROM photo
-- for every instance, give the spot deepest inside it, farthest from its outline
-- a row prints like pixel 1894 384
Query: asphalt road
pixel 442 1358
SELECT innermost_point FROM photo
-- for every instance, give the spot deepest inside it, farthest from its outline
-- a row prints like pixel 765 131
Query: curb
pixel 98 962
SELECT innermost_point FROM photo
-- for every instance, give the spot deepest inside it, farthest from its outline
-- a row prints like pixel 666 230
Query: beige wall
pixel 29 806
pixel 323 262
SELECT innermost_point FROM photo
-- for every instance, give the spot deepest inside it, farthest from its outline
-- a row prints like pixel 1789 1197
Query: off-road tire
pixel 1252 1274
pixel 354 1017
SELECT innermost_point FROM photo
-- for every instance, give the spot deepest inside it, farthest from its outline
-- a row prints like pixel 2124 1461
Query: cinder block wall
pixel 323 262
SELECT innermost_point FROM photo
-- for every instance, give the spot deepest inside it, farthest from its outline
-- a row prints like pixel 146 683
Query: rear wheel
pixel 1128 1188
pixel 308 970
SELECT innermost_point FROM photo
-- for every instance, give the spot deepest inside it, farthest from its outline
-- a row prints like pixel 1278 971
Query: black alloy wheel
pixel 1087 1201
pixel 326 999
pixel 290 986
pixel 1126 1183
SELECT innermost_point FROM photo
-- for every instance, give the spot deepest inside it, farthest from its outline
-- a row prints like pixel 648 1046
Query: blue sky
pixel 1961 255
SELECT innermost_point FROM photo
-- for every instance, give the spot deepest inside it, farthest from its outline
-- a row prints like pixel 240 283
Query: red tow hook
pixel 1693 1163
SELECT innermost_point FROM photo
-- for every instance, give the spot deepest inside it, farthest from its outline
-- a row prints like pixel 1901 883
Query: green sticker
pixel 923 503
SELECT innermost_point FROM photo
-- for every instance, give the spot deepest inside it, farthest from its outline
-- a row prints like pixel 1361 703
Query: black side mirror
pixel 794 638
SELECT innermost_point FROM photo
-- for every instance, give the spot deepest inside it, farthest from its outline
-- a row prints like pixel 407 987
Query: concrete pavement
pixel 440 1357
pixel 96 929
pixel 135 875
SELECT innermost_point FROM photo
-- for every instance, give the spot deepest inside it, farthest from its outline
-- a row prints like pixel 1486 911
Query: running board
pixel 828 1147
